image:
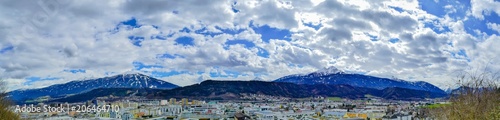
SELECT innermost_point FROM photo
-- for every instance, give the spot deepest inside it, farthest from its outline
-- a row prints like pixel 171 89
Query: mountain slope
pixel 408 94
pixel 334 76
pixel 74 87
pixel 231 89
pixel 107 92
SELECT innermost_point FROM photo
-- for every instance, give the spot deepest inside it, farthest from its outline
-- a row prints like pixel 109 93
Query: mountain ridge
pixel 327 82
pixel 332 75
pixel 233 90
pixel 74 87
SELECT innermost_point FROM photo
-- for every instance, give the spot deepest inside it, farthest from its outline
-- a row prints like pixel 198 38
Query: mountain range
pixel 231 89
pixel 325 82
pixel 75 87
pixel 234 90
pixel 334 76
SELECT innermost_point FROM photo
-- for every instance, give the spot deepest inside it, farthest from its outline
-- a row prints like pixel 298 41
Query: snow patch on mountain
pixel 329 70
pixel 134 80
pixel 332 75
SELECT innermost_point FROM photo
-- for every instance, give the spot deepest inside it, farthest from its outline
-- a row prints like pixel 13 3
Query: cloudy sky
pixel 184 42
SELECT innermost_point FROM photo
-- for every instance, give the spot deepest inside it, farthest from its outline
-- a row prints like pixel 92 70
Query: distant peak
pixel 132 73
pixel 258 79
pixel 329 70
pixel 208 81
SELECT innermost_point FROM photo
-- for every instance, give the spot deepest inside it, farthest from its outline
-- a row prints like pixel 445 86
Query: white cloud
pixel 494 26
pixel 479 8
pixel 450 9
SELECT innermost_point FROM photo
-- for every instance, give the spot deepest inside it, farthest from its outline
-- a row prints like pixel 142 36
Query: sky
pixel 185 42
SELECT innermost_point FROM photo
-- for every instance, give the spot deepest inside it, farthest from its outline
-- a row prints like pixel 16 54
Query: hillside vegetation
pixel 477 99
pixel 5 113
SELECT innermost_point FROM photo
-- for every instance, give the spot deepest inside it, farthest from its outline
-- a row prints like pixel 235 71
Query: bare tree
pixel 478 98
pixel 5 103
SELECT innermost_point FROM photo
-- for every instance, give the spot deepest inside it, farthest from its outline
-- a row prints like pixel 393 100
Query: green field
pixel 335 98
pixel 433 106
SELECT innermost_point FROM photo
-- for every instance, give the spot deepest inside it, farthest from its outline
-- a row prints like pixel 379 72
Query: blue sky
pixel 186 42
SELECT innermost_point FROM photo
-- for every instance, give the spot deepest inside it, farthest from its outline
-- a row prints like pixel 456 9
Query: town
pixel 251 106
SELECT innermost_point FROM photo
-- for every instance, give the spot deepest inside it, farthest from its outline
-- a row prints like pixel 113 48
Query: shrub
pixel 478 98
pixel 5 103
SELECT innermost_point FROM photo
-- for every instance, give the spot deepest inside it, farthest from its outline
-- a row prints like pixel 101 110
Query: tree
pixel 5 103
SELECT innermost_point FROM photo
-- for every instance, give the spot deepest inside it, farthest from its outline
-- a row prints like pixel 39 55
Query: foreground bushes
pixel 5 113
pixel 477 99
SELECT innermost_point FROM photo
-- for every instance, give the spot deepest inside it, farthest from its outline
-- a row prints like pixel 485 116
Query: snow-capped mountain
pixel 333 75
pixel 135 80
pixel 329 70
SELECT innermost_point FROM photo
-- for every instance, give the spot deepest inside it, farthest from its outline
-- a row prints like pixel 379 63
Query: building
pixel 334 114
pixel 164 102
pixel 356 115
pixel 172 101
pixel 170 110
pixel 127 116
pixel 184 101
